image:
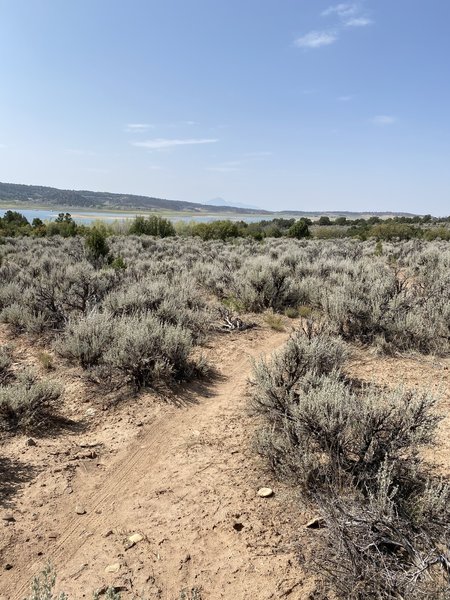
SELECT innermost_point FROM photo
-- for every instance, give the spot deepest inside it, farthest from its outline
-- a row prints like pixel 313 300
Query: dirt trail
pixel 187 483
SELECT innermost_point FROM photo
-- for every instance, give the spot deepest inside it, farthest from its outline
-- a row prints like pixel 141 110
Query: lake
pixel 82 216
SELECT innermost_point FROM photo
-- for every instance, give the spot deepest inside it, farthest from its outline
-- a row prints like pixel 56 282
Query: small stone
pixel 107 533
pixel 114 568
pixel 30 442
pixel 80 510
pixel 90 412
pixel 135 538
pixel 10 518
pixel 8 567
pixel 69 490
pixel 265 492
pixel 316 523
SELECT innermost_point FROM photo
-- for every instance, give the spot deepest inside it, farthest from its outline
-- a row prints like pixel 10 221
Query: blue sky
pixel 286 104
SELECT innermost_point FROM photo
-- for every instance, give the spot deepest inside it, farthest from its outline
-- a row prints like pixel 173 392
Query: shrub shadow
pixel 191 392
pixel 14 474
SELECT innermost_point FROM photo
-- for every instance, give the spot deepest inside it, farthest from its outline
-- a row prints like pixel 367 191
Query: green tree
pixel 324 221
pixel 299 230
pixel 96 245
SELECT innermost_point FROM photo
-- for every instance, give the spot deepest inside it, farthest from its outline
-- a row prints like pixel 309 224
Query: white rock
pixel 265 492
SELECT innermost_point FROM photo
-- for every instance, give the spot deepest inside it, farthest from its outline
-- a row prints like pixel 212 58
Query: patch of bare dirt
pixel 180 471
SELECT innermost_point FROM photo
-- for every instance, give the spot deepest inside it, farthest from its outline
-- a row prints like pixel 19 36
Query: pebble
pixel 265 492
pixel 114 568
pixel 135 538
pixel 80 510
pixel 316 523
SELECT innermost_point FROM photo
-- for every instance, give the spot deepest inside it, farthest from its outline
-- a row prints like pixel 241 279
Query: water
pixel 82 216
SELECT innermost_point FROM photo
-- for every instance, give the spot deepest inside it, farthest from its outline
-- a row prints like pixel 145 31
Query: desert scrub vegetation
pixel 395 300
pixel 94 297
pixel 28 404
pixel 43 587
pixel 356 453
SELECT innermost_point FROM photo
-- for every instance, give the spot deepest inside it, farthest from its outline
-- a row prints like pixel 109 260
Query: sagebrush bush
pixel 27 404
pixel 43 587
pixel 277 380
pixel 146 350
pixel 356 452
pixel 5 363
pixel 86 339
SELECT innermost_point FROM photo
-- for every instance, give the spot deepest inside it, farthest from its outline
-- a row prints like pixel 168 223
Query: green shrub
pixel 154 225
pixel 299 230
pixel 97 248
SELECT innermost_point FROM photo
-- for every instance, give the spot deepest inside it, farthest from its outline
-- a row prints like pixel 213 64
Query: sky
pixel 282 104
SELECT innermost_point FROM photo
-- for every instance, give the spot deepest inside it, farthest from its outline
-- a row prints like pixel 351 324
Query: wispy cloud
pixel 345 98
pixel 138 127
pixel 160 143
pixel 155 167
pixel 359 22
pixel 316 39
pixel 351 14
pixel 2 146
pixel 345 9
pixel 383 120
pixel 230 166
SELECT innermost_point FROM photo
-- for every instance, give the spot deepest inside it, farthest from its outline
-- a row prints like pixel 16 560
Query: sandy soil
pixel 185 479
pixel 181 472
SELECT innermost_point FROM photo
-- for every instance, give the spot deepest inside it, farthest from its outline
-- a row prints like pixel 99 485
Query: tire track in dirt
pixel 159 450
pixel 72 538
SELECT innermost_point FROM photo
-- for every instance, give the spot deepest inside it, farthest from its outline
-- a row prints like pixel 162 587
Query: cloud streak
pixel 350 14
pixel 359 22
pixel 383 120
pixel 138 127
pixel 345 9
pixel 316 39
pixel 161 143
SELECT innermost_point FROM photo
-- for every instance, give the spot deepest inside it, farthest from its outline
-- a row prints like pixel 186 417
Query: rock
pixel 265 492
pixel 135 538
pixel 80 510
pixel 90 412
pixel 69 490
pixel 114 568
pixel 30 442
pixel 316 523
pixel 238 526
pixel 10 518
pixel 8 567
pixel 108 532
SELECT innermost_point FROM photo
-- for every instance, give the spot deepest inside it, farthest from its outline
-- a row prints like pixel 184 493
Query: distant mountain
pixel 221 202
pixel 42 196
pixel 52 197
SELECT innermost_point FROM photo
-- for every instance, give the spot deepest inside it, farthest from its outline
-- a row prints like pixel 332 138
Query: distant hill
pixel 42 196
pixel 47 196
pixel 221 202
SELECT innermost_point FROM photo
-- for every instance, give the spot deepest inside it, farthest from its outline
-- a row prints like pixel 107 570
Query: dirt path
pixel 188 485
